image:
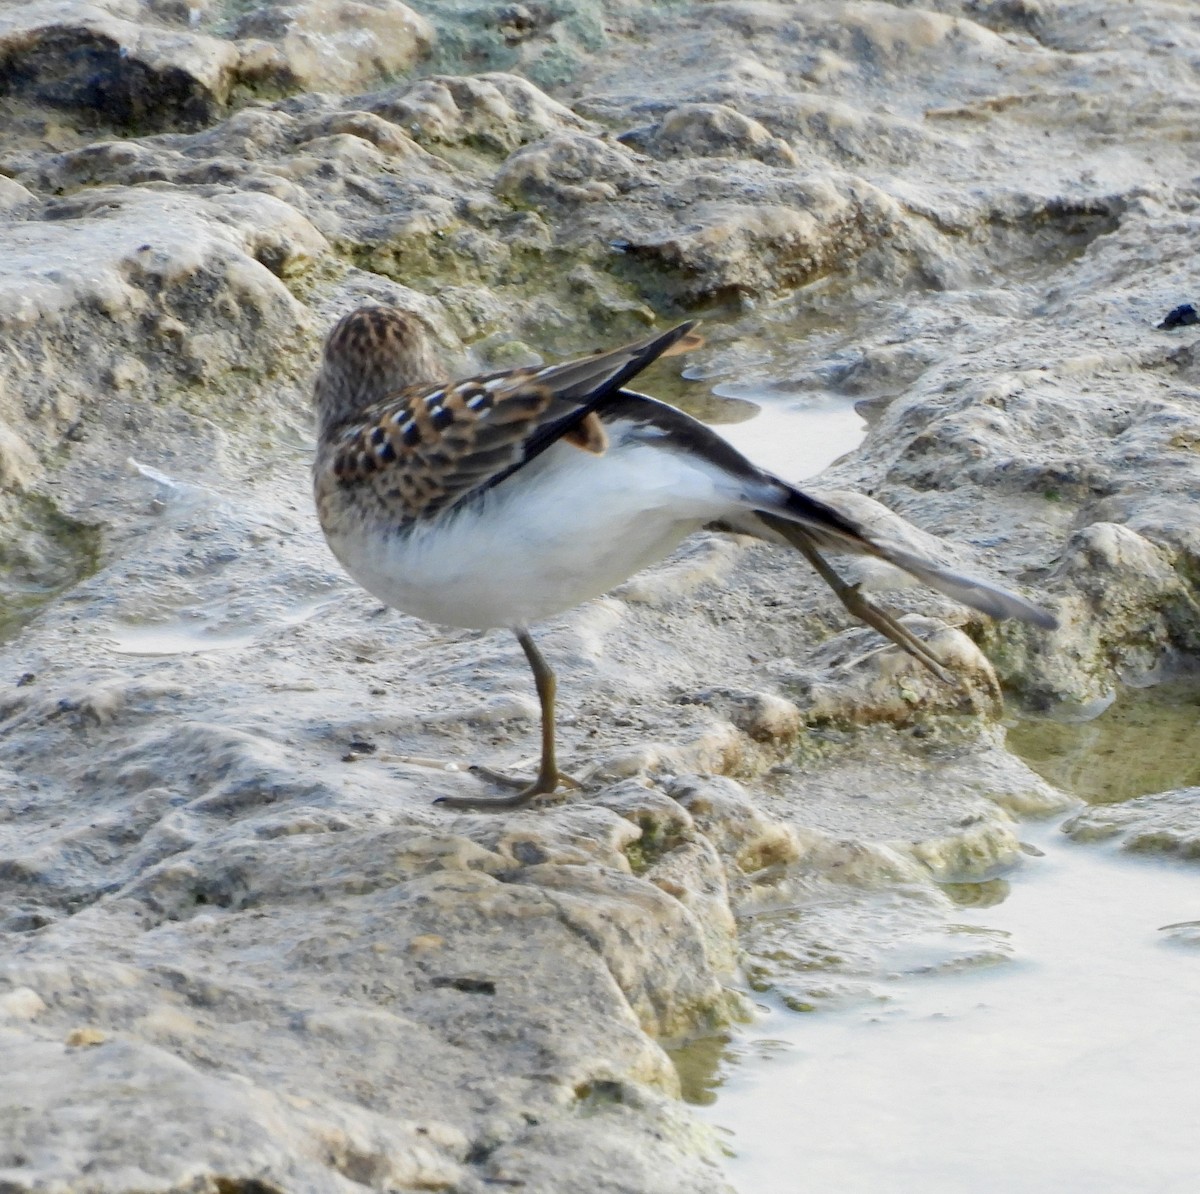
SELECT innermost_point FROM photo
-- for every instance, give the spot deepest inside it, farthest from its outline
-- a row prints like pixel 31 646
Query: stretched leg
pixel 548 777
pixel 852 598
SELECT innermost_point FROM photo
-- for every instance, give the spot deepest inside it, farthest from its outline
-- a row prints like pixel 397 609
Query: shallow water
pixel 1072 1066
pixel 1147 740
pixel 211 627
pixel 795 427
pixel 1037 1038
pixel 1062 1056
pixel 797 437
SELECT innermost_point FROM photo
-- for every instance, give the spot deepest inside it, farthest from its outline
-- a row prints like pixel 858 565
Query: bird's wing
pixel 432 446
pixel 776 510
pixel 824 526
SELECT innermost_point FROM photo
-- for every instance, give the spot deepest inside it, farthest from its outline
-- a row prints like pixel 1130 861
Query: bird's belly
pixel 563 530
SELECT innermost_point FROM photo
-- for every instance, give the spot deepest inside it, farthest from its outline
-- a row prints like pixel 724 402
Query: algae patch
pixel 700 1064
pixel 42 553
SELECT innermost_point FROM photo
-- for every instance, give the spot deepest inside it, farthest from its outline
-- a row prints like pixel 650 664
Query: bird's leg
pixel 544 680
pixel 852 597
pixel 548 777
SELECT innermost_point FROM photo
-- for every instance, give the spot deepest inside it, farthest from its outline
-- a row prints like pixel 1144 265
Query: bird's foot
pixel 543 790
pixel 879 619
pixel 504 780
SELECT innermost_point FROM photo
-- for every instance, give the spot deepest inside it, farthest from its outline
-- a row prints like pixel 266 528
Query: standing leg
pixel 544 681
pixel 548 777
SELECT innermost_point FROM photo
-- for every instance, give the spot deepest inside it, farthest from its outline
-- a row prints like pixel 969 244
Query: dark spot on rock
pixel 471 986
pixel 1180 317
pixel 148 89
pixel 529 853
pixel 245 1185
pixel 600 1091
pixel 359 747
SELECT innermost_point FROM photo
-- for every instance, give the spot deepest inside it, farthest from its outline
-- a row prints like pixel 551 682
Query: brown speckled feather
pixel 428 446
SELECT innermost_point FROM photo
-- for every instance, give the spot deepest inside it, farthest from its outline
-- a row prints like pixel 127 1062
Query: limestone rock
pixel 1165 823
pixel 183 283
pixel 712 130
pixel 741 247
pixel 566 170
pixel 13 196
pixel 341 45
pixel 494 112
pixel 117 73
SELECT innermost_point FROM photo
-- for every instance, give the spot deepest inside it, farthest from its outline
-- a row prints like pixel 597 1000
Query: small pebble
pixel 86 1036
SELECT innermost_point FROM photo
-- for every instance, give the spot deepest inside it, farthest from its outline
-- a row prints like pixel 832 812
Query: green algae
pixel 547 43
pixel 43 553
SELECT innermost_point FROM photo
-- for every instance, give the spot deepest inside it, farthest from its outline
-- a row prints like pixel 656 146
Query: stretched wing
pixel 432 446
pixel 775 509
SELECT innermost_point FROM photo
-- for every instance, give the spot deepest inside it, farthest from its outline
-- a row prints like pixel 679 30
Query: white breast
pixel 563 529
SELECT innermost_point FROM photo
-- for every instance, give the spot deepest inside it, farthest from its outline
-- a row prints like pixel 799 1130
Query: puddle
pixel 210 628
pixel 174 638
pixel 1055 1054
pixel 1147 740
pixel 794 435
pixel 798 437
pixel 1069 1067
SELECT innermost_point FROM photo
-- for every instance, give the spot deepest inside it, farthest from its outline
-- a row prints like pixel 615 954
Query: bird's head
pixel 371 354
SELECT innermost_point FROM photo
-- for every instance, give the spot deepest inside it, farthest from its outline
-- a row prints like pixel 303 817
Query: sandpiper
pixel 502 499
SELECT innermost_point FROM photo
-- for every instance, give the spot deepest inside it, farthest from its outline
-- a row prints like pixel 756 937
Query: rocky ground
pixel 240 948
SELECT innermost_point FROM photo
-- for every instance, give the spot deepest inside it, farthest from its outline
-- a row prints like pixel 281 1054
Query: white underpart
pixel 562 530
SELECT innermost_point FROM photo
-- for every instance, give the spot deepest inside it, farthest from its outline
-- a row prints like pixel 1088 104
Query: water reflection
pixel 794 430
pixel 1148 740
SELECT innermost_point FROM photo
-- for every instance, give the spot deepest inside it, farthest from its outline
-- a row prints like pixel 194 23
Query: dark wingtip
pixel 672 342
pixel 689 340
